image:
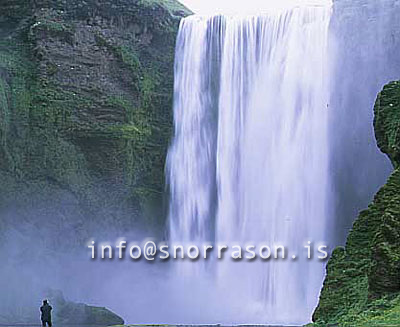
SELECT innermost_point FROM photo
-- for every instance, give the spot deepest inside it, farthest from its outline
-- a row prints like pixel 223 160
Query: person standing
pixel 45 310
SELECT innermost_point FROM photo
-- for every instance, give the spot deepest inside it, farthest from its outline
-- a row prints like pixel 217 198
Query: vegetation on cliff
pixel 85 112
pixel 85 120
pixel 362 286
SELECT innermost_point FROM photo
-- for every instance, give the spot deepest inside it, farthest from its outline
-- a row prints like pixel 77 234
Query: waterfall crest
pixel 249 158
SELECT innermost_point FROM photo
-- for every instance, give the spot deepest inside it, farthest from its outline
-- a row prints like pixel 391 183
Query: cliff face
pixel 85 112
pixel 363 279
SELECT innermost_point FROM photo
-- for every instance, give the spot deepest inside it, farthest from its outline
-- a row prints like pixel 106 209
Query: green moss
pixel 362 286
pixel 171 5
pixel 102 142
pixel 381 313
pixel 5 112
pixel 128 57
pixel 360 273
pixel 387 121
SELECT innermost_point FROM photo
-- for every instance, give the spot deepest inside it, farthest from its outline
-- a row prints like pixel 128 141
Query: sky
pixel 207 7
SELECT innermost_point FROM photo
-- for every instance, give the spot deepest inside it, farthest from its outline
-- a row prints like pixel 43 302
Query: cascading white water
pixel 249 160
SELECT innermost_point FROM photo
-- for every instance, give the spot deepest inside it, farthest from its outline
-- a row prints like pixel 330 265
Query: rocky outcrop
pixel 85 112
pixel 65 313
pixel 363 279
pixel 71 313
pixel 387 122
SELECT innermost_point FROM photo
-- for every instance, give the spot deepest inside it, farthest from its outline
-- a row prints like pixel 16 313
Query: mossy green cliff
pixel 362 286
pixel 85 112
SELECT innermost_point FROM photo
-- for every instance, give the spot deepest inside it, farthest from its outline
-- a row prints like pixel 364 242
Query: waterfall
pixel 249 159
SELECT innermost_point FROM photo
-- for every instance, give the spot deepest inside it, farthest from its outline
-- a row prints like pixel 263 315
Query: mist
pixel 46 248
pixel 140 291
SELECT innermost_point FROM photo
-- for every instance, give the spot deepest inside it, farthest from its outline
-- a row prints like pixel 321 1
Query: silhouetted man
pixel 45 309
